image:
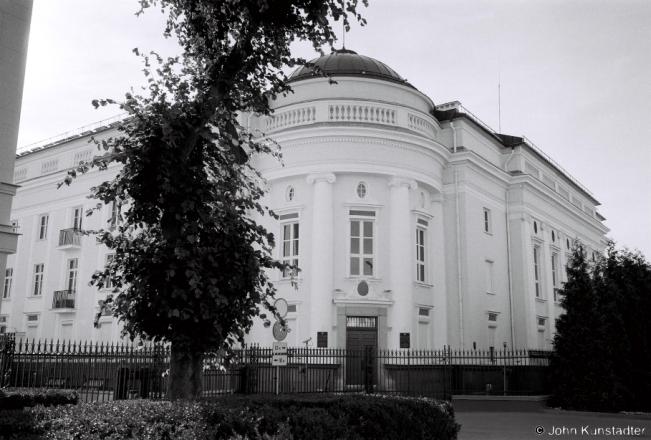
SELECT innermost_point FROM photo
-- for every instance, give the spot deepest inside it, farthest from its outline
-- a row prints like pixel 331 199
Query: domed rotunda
pixel 395 210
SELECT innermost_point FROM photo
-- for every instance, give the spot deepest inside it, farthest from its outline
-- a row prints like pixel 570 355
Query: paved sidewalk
pixel 512 426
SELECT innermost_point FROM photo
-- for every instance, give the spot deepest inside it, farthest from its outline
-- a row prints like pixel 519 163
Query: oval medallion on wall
pixel 362 288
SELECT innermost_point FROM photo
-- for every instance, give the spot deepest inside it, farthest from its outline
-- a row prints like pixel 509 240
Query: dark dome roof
pixel 348 63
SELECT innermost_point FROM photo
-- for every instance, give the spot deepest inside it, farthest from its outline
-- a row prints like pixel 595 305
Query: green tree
pixel 189 264
pixel 602 350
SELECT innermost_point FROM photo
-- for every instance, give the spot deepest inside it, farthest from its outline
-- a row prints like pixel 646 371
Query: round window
pixel 567 242
pixel 289 193
pixel 361 190
pixel 362 288
pixel 535 227
pixel 553 237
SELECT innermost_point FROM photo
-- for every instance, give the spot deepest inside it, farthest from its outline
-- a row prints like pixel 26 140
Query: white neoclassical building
pixel 414 224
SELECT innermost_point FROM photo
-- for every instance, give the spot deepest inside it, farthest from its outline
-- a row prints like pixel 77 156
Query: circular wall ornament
pixel 362 288
pixel 280 333
pixel 289 193
pixel 361 190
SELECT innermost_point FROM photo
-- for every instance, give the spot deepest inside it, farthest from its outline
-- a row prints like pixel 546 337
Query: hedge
pixel 19 398
pixel 312 417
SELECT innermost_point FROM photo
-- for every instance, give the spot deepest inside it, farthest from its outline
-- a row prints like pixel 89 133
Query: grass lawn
pixel 507 426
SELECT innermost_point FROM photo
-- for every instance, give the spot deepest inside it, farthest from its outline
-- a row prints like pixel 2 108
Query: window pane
pixel 287 232
pixel 286 249
pixel 295 247
pixel 354 229
pixel 368 229
pixel 368 266
pixel 354 245
pixel 368 246
pixel 295 270
pixel 354 265
pixel 422 273
pixel 295 231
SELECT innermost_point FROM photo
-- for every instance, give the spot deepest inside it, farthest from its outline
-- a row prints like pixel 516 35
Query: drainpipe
pixel 508 254
pixel 454 136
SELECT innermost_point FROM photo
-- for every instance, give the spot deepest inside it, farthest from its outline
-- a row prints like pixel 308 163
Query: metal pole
pixel 277 379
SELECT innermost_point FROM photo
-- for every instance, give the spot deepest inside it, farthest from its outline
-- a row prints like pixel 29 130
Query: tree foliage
pixel 189 264
pixel 603 340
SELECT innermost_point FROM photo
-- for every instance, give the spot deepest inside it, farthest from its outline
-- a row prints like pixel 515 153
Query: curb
pixel 596 414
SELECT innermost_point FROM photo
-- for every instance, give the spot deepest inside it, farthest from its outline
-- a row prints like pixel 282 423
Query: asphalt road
pixel 507 426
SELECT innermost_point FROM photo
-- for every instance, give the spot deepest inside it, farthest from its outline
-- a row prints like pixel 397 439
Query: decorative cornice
pixel 402 182
pixel 321 177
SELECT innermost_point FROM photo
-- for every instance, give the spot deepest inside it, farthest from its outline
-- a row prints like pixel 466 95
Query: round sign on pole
pixel 280 333
pixel 281 307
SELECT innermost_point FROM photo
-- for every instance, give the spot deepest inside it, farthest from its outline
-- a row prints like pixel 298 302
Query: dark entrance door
pixel 361 332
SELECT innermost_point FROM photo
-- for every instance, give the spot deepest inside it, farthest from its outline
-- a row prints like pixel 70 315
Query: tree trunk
pixel 186 370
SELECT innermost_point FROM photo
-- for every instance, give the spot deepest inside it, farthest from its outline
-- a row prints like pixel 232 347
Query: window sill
pixel 488 233
pixel 556 303
pixel 490 293
pixel 541 300
pixel 421 284
pixel 6 299
pixel 35 297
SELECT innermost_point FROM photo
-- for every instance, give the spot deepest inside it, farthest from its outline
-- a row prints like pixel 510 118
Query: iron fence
pixel 103 372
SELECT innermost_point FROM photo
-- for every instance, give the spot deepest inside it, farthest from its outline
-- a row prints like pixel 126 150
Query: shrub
pixel 16 423
pixel 19 398
pixel 311 417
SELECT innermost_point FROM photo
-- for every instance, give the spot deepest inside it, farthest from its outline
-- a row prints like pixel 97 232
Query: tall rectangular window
pixel 42 226
pixel 73 266
pixel 109 259
pixel 420 254
pixel 536 273
pixel 115 214
pixel 488 267
pixel 38 279
pixel 77 214
pixel 555 275
pixel 361 247
pixel 290 247
pixel 487 221
pixel 9 279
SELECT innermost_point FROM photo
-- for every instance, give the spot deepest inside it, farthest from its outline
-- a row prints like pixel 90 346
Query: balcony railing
pixel 70 237
pixel 64 299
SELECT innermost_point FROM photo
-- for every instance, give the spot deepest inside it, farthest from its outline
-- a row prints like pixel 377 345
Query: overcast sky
pixel 575 77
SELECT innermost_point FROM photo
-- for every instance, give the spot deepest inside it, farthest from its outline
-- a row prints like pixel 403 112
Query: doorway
pixel 361 332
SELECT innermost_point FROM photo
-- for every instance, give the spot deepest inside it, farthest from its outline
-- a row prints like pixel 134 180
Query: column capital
pixel 402 182
pixel 321 177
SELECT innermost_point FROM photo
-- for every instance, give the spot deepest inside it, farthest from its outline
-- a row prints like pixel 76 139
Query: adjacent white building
pixel 414 224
